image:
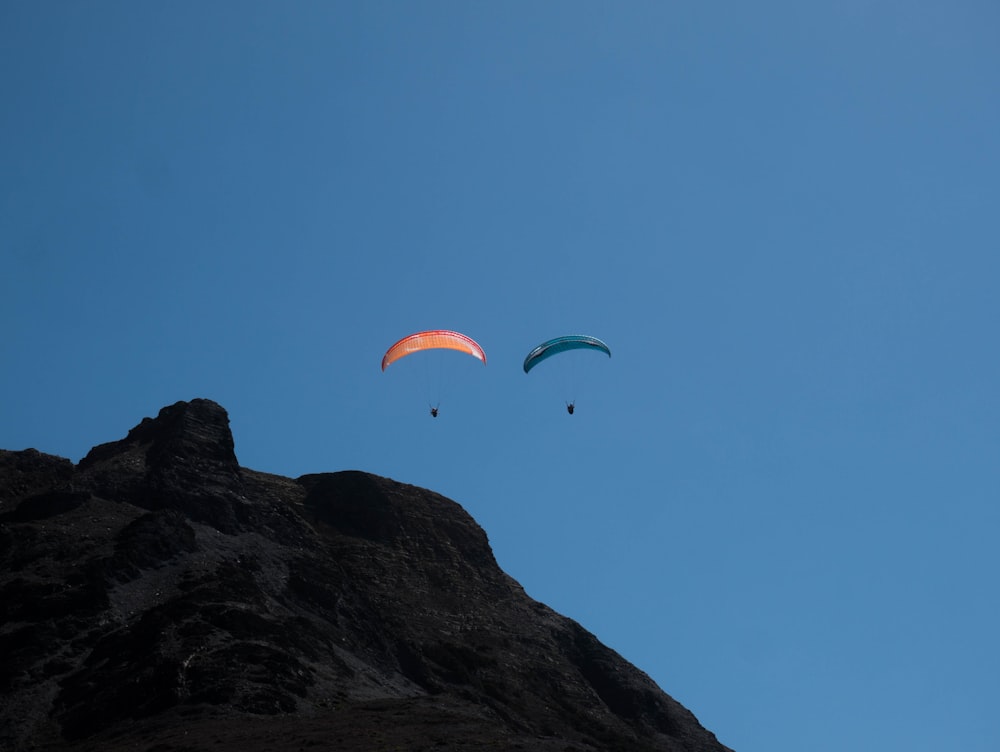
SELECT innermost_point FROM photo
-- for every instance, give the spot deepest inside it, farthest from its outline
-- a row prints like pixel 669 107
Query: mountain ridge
pixel 157 593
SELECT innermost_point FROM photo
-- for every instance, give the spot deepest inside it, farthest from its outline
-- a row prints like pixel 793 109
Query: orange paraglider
pixel 433 339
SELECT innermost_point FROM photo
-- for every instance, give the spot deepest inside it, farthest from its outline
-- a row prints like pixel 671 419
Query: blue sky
pixel 778 497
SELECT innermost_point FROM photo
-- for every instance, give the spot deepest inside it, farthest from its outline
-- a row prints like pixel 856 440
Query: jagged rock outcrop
pixel 158 595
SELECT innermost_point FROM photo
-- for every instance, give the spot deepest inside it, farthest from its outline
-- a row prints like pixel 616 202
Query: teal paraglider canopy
pixel 562 344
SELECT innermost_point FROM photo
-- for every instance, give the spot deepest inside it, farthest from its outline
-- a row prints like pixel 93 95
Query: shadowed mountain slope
pixel 158 596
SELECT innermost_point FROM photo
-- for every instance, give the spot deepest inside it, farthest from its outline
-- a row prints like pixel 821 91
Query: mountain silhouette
pixel 157 596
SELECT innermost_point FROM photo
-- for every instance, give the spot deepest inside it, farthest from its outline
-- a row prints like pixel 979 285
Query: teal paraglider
pixel 562 344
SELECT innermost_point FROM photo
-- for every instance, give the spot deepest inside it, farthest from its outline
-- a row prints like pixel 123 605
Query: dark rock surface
pixel 157 596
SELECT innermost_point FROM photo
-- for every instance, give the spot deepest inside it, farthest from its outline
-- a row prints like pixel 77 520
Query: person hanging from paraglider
pixel 570 407
pixel 434 411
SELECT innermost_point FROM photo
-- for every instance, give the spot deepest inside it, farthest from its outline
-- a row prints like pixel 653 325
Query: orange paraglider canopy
pixel 433 339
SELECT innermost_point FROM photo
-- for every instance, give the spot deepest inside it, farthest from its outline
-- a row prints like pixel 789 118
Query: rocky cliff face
pixel 159 596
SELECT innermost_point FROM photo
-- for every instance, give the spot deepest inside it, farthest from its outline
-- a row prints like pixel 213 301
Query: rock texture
pixel 158 596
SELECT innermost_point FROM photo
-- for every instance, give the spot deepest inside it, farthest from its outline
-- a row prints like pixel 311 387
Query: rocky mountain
pixel 157 596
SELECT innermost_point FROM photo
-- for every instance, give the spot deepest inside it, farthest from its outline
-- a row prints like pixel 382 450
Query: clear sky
pixel 779 497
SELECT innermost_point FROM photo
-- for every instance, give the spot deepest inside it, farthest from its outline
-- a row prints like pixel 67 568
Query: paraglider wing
pixel 433 339
pixel 562 344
